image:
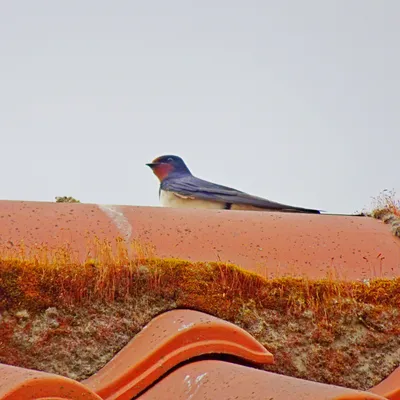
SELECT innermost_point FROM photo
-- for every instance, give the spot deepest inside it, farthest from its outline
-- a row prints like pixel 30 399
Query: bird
pixel 179 188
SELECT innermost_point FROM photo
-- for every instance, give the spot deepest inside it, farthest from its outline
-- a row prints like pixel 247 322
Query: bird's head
pixel 165 166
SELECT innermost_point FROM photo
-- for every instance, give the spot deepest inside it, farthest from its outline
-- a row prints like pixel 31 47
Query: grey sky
pixel 295 101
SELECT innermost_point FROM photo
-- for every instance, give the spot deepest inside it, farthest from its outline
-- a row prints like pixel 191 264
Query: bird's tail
pixel 345 215
pixel 321 212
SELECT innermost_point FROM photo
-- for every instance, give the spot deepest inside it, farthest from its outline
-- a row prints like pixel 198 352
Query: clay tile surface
pixel 221 380
pixel 25 384
pixel 168 340
pixel 389 387
pixel 268 243
pixel 53 224
pixel 272 243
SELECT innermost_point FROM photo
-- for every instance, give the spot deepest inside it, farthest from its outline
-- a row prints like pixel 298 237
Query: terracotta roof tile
pixel 212 379
pixel 390 387
pixel 25 384
pixel 169 339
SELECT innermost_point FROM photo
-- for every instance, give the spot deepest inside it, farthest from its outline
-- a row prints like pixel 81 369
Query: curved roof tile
pixel 25 384
pixel 389 387
pixel 169 339
pixel 221 380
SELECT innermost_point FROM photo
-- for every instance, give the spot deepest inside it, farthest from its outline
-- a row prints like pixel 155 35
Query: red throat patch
pixel 161 171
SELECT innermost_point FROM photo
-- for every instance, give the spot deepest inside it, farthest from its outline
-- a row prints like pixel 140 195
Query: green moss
pixel 66 199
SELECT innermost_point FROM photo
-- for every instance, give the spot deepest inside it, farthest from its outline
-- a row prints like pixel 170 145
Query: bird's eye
pixel 170 159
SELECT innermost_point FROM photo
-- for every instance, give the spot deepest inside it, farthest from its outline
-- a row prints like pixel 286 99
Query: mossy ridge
pixel 39 282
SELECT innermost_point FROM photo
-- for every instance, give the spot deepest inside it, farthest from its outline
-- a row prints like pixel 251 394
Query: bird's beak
pixel 152 165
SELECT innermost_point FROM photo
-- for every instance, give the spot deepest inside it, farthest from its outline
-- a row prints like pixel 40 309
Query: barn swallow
pixel 180 189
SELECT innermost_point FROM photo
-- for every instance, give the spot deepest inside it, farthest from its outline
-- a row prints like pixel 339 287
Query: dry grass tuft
pixel 346 333
pixel 386 207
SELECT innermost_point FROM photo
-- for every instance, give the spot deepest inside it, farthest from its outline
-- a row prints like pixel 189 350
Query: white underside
pixel 169 199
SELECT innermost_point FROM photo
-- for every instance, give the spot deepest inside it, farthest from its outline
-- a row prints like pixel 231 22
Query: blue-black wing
pixel 200 189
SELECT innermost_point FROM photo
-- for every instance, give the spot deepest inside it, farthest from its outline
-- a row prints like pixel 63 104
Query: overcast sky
pixel 295 101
